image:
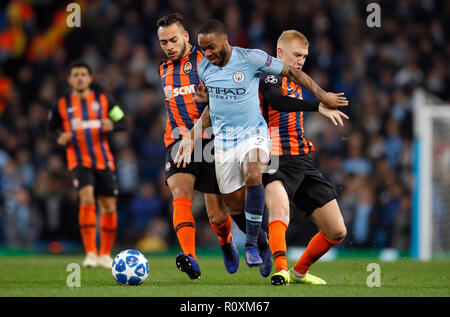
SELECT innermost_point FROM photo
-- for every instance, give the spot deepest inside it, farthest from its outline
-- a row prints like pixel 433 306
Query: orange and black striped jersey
pixel 286 128
pixel 82 118
pixel 178 81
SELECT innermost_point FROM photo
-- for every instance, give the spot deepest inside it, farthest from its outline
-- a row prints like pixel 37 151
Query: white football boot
pixel 105 261
pixel 90 260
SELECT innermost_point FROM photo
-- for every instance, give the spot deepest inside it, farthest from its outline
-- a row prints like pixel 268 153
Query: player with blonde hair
pixel 297 178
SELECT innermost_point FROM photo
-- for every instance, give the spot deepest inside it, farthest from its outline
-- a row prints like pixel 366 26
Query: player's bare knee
pixel 216 215
pixel 86 197
pixel 181 192
pixel 217 219
pixel 279 213
pixel 214 221
pixel 338 234
pixel 220 216
pixel 87 201
pixel 108 207
pixel 342 234
pixel 253 177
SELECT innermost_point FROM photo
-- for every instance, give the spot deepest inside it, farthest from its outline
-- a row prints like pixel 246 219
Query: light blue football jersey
pixel 233 95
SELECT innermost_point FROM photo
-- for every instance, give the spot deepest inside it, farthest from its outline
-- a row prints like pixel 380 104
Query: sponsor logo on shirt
pixel 225 93
pixel 170 92
pixel 78 124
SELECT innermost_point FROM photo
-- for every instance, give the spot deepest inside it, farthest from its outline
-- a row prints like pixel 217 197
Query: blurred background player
pixel 81 121
pixel 241 144
pixel 297 177
pixel 179 76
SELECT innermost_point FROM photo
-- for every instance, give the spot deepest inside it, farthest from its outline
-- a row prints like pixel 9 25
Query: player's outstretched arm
pixel 184 152
pixel 284 103
pixel 273 94
pixel 329 99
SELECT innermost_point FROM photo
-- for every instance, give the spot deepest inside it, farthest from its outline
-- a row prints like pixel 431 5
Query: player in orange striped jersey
pixel 81 121
pixel 179 78
pixel 296 176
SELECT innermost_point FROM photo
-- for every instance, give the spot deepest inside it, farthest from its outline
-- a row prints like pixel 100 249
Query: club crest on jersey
pixel 238 77
pixel 95 106
pixel 271 79
pixel 187 67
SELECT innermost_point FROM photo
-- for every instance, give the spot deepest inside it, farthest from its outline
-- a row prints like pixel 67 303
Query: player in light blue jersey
pixel 230 77
pixel 233 96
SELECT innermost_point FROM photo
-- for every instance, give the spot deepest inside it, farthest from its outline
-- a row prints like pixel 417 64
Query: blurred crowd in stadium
pixel 369 160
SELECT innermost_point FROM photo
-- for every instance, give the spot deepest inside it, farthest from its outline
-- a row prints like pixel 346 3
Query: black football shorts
pixel 201 166
pixel 104 181
pixel 304 183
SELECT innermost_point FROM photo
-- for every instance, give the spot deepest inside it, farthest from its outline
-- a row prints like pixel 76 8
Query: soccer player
pixel 81 121
pixel 297 177
pixel 241 144
pixel 179 76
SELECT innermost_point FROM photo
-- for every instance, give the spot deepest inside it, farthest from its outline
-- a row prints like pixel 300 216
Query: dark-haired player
pixel 81 121
pixel 179 76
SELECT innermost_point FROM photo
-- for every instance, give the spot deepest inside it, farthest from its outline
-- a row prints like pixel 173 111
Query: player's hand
pixel 76 124
pixel 107 125
pixel 332 100
pixel 201 95
pixel 184 152
pixel 64 138
pixel 333 114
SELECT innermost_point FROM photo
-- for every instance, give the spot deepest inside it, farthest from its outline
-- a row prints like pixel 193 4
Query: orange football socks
pixel 277 243
pixel 317 246
pixel 223 230
pixel 184 225
pixel 108 230
pixel 87 220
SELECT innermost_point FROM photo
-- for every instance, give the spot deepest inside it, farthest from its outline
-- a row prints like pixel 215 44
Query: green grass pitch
pixel 45 276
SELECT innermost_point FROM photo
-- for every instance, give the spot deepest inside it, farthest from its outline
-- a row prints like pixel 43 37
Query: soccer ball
pixel 130 267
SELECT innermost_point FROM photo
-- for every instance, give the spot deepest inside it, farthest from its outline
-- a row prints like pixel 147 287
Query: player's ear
pixel 225 40
pixel 69 79
pixel 186 36
pixel 279 52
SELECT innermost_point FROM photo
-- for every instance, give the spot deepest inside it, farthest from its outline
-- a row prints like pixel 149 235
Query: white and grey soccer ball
pixel 130 267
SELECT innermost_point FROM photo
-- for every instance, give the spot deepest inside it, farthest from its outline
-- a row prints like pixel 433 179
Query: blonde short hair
pixel 290 35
